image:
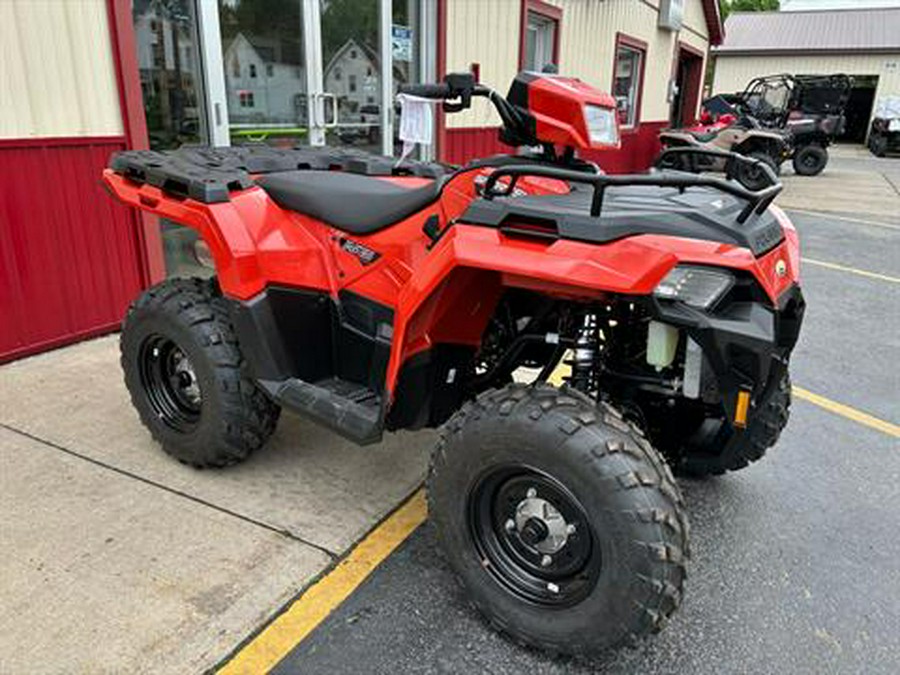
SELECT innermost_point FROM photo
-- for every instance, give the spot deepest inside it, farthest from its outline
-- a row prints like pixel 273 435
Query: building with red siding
pixel 85 78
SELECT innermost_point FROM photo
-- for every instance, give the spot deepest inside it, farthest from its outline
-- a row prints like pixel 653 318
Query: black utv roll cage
pixel 814 94
pixel 686 175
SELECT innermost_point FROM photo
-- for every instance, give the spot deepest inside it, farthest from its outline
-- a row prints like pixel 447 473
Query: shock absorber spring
pixel 584 362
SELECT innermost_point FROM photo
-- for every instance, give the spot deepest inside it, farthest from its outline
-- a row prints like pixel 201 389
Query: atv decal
pixel 366 255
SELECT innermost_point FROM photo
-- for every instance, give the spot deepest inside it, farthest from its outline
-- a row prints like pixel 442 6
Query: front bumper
pixel 746 344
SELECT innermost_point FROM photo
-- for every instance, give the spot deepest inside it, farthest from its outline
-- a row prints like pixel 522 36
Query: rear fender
pixel 252 240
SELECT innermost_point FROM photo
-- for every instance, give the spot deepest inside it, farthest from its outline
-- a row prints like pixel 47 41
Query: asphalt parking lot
pixel 117 559
pixel 794 559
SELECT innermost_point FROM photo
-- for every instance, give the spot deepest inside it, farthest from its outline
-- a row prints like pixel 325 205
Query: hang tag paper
pixel 416 122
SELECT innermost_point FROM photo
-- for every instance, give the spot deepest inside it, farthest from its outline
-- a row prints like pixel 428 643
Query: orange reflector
pixel 740 410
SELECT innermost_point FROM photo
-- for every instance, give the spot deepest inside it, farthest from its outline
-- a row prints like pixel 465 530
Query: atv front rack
pixel 757 201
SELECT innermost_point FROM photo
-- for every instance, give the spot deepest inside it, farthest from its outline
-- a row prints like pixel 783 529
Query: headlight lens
pixel 601 124
pixel 699 287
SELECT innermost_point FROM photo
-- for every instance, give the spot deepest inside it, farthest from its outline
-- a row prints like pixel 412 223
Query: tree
pixel 729 6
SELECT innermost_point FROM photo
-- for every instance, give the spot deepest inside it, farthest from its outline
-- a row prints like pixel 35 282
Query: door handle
pixel 334 110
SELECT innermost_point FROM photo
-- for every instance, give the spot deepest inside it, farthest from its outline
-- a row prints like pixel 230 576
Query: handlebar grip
pixel 439 91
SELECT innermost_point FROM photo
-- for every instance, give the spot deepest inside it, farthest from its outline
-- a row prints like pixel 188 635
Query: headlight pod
pixel 699 287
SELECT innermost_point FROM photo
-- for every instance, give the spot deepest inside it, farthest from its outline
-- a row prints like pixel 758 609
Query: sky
pixel 806 5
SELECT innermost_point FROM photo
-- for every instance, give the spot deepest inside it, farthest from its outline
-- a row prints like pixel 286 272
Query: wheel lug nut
pixel 546 561
pixel 510 525
pixel 532 493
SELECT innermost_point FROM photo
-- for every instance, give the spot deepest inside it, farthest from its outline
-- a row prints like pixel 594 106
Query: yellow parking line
pixel 851 270
pixel 848 412
pixel 319 600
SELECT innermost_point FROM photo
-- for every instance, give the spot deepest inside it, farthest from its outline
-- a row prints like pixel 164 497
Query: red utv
pixel 371 297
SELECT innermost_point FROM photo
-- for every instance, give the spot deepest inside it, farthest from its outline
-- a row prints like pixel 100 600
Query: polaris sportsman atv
pixel 371 297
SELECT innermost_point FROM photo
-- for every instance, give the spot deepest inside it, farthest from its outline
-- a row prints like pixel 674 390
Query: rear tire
pixel 619 571
pixel 183 369
pixel 878 144
pixel 810 160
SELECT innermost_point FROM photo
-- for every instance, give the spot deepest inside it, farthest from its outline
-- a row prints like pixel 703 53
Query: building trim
pixel 440 141
pixel 134 122
pixel 60 141
pixel 546 10
pixel 60 341
pixel 629 41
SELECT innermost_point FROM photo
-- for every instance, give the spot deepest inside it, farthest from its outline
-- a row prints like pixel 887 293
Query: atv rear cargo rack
pixel 682 158
pixel 209 174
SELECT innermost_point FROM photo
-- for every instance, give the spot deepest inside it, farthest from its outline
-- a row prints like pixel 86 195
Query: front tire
pixel 810 160
pixel 754 178
pixel 561 520
pixel 183 370
pixel 727 452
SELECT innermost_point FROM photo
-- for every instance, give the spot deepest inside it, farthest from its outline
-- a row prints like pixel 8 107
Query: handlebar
pixel 439 91
pixel 463 86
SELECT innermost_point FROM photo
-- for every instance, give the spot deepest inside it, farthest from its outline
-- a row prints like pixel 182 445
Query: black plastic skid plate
pixel 210 174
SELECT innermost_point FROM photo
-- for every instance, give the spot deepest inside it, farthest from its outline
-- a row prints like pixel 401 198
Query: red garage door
pixel 70 257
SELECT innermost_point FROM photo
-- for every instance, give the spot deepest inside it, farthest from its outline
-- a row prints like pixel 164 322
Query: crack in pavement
pixel 891 183
pixel 147 481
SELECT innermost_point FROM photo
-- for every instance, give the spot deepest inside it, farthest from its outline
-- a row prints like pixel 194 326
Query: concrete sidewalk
pixel 855 183
pixel 119 559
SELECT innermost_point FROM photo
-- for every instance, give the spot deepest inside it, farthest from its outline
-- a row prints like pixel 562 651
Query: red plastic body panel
pixel 558 104
pixel 443 293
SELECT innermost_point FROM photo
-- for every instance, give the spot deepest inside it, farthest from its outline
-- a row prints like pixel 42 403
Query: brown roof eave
pixel 781 51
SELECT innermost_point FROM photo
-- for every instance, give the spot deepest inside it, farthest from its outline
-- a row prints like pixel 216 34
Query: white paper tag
pixel 416 122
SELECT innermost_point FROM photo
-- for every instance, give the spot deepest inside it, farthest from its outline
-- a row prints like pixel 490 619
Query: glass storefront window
pixel 352 73
pixel 265 72
pixel 169 64
pixel 626 87
pixel 168 58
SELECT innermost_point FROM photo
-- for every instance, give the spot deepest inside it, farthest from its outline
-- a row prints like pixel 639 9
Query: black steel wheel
pixel 560 519
pixel 810 160
pixel 183 369
pixel 535 535
pixel 170 382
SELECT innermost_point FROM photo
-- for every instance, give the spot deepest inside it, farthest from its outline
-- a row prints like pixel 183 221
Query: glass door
pixel 316 72
pixel 352 73
pixel 264 63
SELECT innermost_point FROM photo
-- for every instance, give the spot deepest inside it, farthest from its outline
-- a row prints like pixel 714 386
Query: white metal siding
pixel 57 76
pixel 487 32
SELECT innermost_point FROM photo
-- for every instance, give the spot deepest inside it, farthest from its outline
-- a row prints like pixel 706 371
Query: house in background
pixel 260 85
pixel 863 43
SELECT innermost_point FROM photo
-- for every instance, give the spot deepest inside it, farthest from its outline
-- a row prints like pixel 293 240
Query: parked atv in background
pixel 729 130
pixel 884 133
pixel 809 109
pixel 371 297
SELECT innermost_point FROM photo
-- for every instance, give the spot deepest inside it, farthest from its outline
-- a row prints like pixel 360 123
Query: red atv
pixel 372 297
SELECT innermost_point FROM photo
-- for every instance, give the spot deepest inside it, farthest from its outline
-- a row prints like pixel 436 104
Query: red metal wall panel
pixel 639 147
pixel 70 257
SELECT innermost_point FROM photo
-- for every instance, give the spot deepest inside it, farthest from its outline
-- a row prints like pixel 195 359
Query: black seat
pixel 357 204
